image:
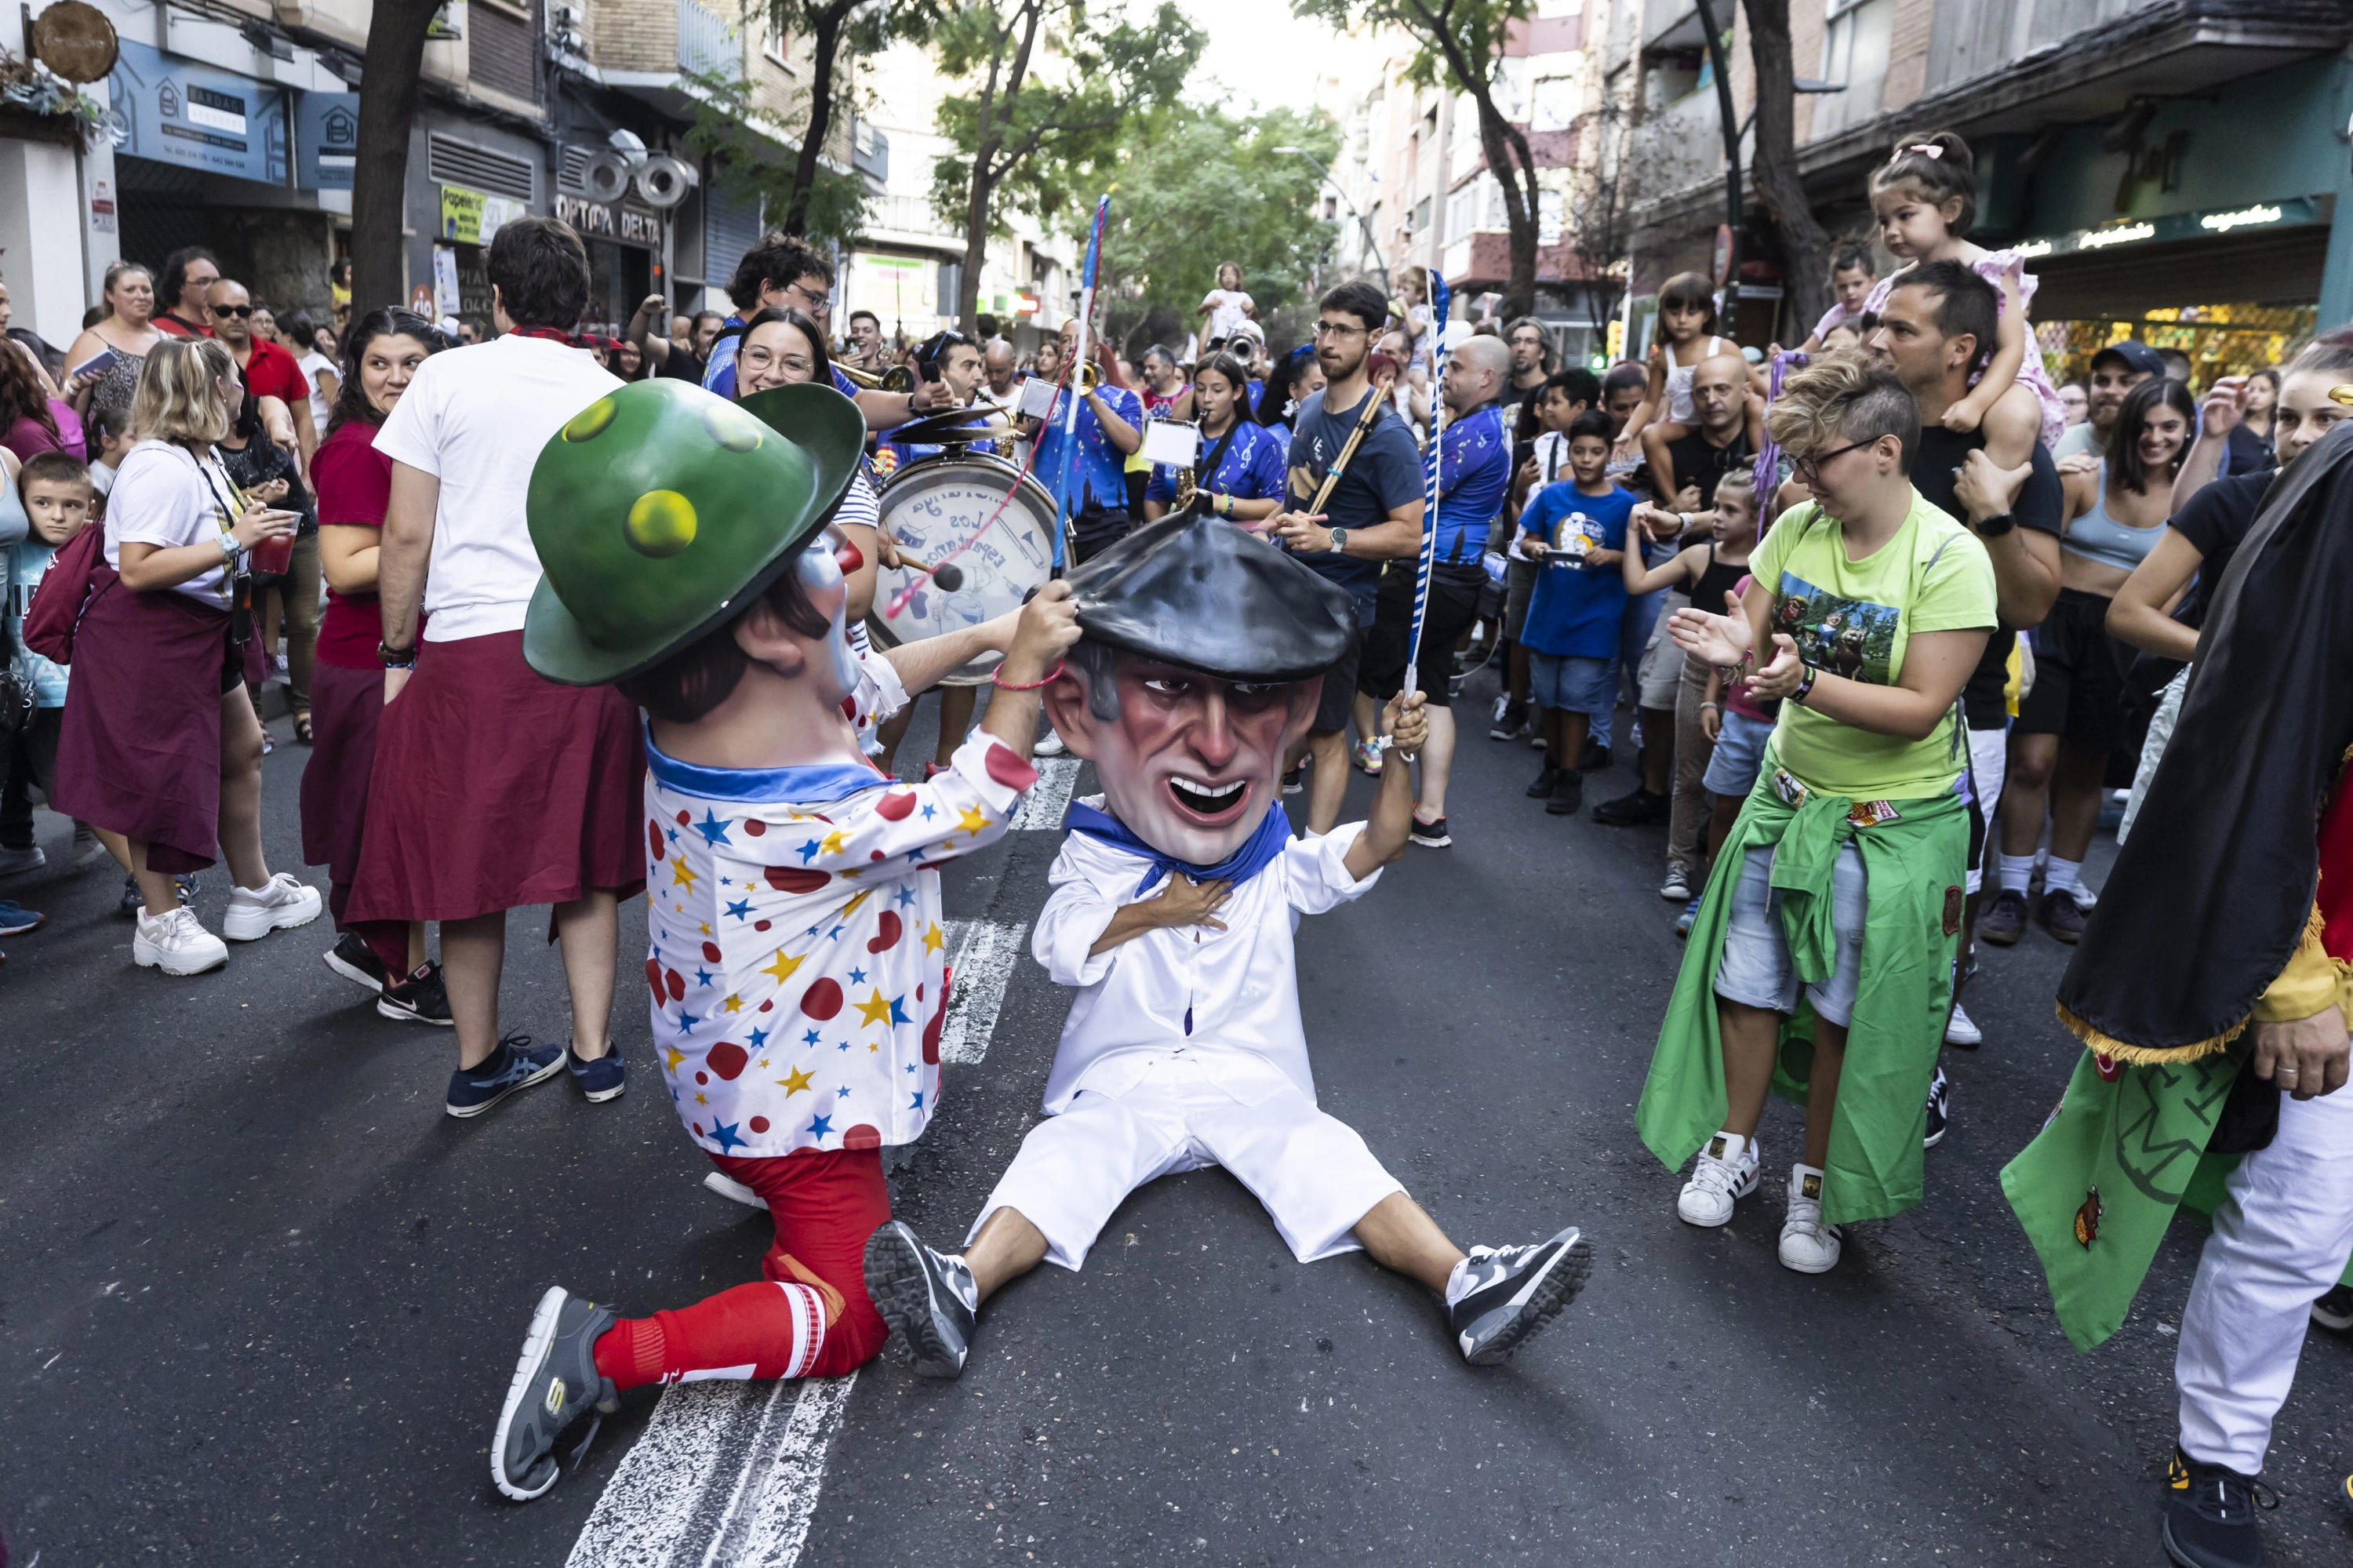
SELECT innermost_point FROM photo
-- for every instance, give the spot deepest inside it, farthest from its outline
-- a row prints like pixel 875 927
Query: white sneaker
pixel 735 1191
pixel 1807 1245
pixel 1724 1173
pixel 177 943
pixel 1963 1030
pixel 1049 745
pixel 30 858
pixel 1677 888
pixel 278 904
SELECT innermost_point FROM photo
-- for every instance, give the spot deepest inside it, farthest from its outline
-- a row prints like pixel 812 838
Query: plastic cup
pixel 275 556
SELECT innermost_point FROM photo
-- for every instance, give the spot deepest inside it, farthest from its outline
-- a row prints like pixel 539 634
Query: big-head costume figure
pixel 792 897
pixel 1173 903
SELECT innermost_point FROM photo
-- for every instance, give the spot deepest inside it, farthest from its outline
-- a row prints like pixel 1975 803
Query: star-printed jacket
pixel 796 957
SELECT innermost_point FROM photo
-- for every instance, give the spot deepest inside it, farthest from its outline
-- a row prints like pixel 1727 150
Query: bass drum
pixel 931 509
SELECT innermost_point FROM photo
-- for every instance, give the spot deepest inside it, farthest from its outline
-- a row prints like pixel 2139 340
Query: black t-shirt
pixel 1699 462
pixel 681 365
pixel 2041 505
pixel 1383 475
pixel 2249 452
pixel 2216 519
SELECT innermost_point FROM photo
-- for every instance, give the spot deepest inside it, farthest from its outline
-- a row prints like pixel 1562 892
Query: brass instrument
pixel 1089 376
pixel 1186 488
pixel 898 378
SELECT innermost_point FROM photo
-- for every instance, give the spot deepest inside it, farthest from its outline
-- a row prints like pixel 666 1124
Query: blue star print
pixel 809 1038
pixel 858 976
pixel 808 850
pixel 723 1135
pixel 927 816
pixel 759 1038
pixel 820 1126
pixel 741 911
pixel 918 1101
pixel 712 829
pixel 898 1015
pixel 906 896
pixel 702 977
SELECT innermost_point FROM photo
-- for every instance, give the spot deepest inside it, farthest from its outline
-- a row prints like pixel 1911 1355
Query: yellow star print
pixel 932 940
pixel 782 970
pixel 733 1005
pixel 795 1081
pixel 851 906
pixel 673 1057
pixel 972 819
pixel 702 1099
pixel 833 843
pixel 874 1009
pixel 681 875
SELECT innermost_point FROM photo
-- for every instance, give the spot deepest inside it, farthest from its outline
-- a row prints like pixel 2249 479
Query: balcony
pixel 707 43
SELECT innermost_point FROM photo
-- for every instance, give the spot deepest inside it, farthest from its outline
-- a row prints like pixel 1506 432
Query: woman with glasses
pixel 1842 878
pixel 784 273
pixel 1239 473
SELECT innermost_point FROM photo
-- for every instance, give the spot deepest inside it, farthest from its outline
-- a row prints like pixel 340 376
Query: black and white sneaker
pixel 928 1300
pixel 2335 1310
pixel 2209 1515
pixel 357 962
pixel 555 1383
pixel 1940 1110
pixel 1500 1295
pixel 419 998
pixel 1430 835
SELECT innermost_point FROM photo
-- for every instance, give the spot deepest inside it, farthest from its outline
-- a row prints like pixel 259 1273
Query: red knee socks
pixel 763 1330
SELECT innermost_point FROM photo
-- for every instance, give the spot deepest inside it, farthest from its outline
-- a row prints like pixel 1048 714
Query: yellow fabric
pixel 2015 676
pixel 2312 981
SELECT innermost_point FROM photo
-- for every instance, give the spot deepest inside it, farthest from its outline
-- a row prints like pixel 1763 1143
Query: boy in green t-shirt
pixel 1871 607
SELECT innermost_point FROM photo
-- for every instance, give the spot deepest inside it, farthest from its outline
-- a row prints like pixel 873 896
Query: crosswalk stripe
pixel 1050 797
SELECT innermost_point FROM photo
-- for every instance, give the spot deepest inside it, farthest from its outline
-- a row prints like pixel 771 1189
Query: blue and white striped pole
pixel 1430 463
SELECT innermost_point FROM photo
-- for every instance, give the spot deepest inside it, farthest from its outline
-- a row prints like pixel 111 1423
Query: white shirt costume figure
pixel 1175 901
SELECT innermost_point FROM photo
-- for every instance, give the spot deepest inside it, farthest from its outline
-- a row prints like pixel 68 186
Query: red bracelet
pixel 996 679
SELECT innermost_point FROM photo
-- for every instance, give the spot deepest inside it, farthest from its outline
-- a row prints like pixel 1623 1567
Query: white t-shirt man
pixel 476 417
pixel 164 497
pixel 312 364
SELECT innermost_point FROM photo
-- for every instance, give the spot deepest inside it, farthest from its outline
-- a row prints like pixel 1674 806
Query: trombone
pixel 897 378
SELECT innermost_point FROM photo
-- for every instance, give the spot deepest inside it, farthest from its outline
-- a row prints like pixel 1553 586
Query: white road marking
pixel 727 1474
pixel 1050 797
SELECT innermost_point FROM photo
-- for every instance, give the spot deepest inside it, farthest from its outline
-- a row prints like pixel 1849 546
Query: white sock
pixel 2061 875
pixel 2017 871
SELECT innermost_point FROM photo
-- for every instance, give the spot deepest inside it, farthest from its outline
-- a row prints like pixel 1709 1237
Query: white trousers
pixel 1311 1170
pixel 2152 750
pixel 2280 1242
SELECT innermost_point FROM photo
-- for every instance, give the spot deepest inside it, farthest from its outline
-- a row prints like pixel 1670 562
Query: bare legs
pixel 473 952
pixel 1752 1038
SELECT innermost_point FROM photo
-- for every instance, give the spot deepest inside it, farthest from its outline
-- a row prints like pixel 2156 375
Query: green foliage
pixel 1445 33
pixel 749 164
pixel 1196 188
pixel 1037 135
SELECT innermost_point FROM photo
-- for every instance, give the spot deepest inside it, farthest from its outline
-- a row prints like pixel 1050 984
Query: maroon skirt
pixel 344 706
pixel 493 789
pixel 139 747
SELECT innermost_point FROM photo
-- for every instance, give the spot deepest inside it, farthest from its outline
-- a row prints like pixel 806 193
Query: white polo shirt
pixel 476 418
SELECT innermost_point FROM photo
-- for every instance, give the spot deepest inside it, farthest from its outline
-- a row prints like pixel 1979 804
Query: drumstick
pixel 947 574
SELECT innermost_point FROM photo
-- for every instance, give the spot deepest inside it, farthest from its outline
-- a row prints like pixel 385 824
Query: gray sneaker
pixel 1511 1292
pixel 928 1300
pixel 555 1383
pixel 2060 915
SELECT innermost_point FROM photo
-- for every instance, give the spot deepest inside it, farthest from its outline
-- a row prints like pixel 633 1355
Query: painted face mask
pixel 823 569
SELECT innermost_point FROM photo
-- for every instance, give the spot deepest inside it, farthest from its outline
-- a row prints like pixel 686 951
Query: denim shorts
pixel 1739 753
pixel 1581 685
pixel 1756 970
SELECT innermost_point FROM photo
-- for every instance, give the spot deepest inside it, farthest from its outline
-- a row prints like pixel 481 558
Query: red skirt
pixel 139 747
pixel 493 789
pixel 345 704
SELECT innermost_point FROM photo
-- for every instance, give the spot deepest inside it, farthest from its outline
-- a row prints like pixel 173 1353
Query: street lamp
pixel 1372 245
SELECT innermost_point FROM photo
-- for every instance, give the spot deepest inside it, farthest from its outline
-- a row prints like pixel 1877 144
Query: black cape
pixel 2211 894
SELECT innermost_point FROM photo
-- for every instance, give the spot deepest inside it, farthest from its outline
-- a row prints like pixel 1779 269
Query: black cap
pixel 1194 590
pixel 2138 356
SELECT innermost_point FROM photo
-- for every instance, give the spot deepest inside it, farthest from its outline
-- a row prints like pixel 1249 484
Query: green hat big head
pixel 660 508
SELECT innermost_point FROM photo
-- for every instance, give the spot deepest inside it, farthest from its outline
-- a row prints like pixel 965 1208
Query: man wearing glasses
pixel 270 370
pixel 1373 517
pixel 782 274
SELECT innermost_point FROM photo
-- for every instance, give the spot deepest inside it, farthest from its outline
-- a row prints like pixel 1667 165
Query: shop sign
pixel 473 218
pixel 176 112
pixel 326 139
pixel 597 220
pixel 2286 213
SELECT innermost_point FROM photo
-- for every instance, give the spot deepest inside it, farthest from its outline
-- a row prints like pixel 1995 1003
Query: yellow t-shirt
pixel 1853 619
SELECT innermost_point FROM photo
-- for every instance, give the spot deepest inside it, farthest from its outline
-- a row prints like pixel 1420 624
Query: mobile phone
pixel 105 359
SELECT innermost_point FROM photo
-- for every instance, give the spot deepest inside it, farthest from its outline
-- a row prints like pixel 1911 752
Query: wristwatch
pixel 1339 546
pixel 393 658
pixel 1994 527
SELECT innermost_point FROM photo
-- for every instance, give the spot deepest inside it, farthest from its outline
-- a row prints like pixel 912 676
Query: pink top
pixel 1996 267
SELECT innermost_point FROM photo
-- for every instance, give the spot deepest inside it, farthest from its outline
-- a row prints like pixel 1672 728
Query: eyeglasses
pixel 758 359
pixel 817 303
pixel 231 310
pixel 1336 329
pixel 1810 468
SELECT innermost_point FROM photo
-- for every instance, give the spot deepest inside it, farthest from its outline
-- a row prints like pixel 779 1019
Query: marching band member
pixel 1241 475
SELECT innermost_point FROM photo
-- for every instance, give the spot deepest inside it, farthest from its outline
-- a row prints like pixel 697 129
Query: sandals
pixel 303 728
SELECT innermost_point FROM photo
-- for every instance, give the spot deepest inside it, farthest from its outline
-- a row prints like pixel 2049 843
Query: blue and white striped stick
pixel 1432 463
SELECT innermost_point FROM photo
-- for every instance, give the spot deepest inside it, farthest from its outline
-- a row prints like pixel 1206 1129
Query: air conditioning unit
pixel 663 181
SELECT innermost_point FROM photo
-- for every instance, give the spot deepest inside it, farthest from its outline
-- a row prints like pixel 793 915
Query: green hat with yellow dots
pixel 660 509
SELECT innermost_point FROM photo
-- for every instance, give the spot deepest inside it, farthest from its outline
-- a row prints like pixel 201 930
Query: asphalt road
pixel 259 1298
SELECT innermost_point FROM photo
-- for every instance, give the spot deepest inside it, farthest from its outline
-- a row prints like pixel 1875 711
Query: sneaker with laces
pixel 518 1064
pixel 1684 921
pixel 1431 834
pixel 2004 920
pixel 1511 720
pixel 1500 1295
pixel 1962 1032
pixel 1677 887
pixel 1724 1173
pixel 1807 1245
pixel 418 998
pixel 177 943
pixel 2335 1310
pixel 357 962
pixel 930 1301
pixel 601 1078
pixel 1366 757
pixel 1294 781
pixel 2060 915
pixel 1049 745
pixel 280 903
pixel 555 1383
pixel 1940 1110
pixel 28 857
pixel 1567 793
pixel 88 848
pixel 15 919
pixel 2209 1515
pixel 1546 778
pixel 1638 810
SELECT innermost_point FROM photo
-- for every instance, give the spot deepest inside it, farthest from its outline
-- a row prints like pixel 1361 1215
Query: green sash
pixel 1912 867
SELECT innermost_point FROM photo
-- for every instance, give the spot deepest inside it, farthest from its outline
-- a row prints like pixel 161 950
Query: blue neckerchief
pixel 1256 854
pixel 823 783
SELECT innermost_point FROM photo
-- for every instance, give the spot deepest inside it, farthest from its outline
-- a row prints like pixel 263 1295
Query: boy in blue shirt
pixel 55 491
pixel 1575 530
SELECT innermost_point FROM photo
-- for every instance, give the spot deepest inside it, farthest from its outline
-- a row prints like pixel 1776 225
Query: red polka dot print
pixel 823 1000
pixel 727 1059
pixel 887 934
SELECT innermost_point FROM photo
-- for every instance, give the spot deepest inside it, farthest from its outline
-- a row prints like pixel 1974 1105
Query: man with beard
pixel 1176 897
pixel 2115 371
